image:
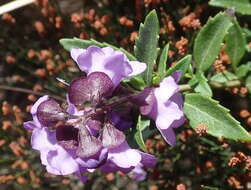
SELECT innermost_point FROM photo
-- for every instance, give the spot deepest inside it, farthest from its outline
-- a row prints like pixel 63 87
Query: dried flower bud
pixel 181 45
pixel 37 87
pixel 98 25
pixel 16 148
pixel 153 187
pixel 201 129
pixel 233 181
pixel 235 90
pixel 31 98
pixel 181 187
pixel 18 114
pixel 190 22
pixel 244 113
pixel 6 178
pixel 110 177
pixel 39 26
pixel 249 121
pixel 6 125
pixel 10 59
pixel 24 165
pixel 41 73
pixel 133 36
pixel 31 53
pixel 6 109
pixel 28 108
pixel 103 31
pixel 243 90
pixel 209 164
pixel 66 181
pixel 105 19
pixel 2 142
pixel 8 18
pixel 21 180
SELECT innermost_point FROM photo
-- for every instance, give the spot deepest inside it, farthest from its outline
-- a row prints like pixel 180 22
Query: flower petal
pixel 67 136
pixel 94 161
pixel 148 160
pixel 169 135
pixel 35 107
pixel 52 155
pixel 138 174
pixel 88 144
pixel 119 122
pixel 123 156
pixel 137 68
pixel 90 89
pixel 62 161
pixel 49 113
pixel 75 52
pixel 112 137
pixel 113 63
pixel 30 125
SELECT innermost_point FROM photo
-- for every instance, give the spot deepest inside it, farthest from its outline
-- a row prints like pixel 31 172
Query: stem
pixel 213 84
pixel 27 91
pixel 120 101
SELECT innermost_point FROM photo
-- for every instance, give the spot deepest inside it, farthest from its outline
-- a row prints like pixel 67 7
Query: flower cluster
pixel 87 134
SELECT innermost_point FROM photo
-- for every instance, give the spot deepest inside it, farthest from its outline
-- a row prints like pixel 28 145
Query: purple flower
pixel 164 105
pixel 125 159
pixel 87 134
pixel 107 60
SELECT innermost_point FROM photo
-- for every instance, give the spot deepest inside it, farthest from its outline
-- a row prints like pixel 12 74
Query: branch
pixel 27 91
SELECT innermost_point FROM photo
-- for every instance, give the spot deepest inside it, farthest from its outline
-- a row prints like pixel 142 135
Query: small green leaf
pixel 243 69
pixel 162 61
pixel 248 83
pixel 209 188
pixel 236 43
pixel 203 88
pixel 240 6
pixel 223 77
pixel 208 42
pixel 247 32
pixel 136 82
pixel 201 109
pixel 145 48
pixel 182 65
pixel 141 126
pixel 202 85
pixel 69 43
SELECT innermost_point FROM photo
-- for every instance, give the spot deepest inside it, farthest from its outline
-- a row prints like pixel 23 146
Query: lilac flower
pixel 164 105
pixel 111 62
pixel 87 134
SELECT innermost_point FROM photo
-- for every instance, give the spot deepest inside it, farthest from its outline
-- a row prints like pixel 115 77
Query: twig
pixel 213 84
pixel 14 5
pixel 23 90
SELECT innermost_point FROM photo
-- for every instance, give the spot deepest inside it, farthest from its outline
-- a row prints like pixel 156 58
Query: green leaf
pixel 223 77
pixel 138 136
pixel 136 82
pixel 146 46
pixel 162 62
pixel 204 88
pixel 243 69
pixel 208 42
pixel 248 83
pixel 182 65
pixel 236 43
pixel 201 109
pixel 240 6
pixel 69 43
pixel 202 85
